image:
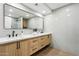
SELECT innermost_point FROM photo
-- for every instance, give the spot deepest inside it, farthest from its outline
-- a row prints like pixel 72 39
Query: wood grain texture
pixel 8 50
pixel 23 50
pixel 24 47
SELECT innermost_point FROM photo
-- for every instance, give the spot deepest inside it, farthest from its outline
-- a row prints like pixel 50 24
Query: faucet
pixel 13 32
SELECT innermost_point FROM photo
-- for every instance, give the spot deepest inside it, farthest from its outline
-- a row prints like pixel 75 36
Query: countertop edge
pixel 11 41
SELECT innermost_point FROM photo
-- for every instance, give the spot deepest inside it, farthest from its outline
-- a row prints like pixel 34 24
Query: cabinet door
pixel 24 48
pixel 8 49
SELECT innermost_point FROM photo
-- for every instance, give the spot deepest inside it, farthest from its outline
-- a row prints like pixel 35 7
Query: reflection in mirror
pixel 16 18
pixel 37 23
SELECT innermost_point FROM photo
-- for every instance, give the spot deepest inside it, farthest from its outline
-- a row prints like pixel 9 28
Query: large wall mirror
pixel 15 18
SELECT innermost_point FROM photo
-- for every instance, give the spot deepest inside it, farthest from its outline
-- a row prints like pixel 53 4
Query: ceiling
pixel 43 8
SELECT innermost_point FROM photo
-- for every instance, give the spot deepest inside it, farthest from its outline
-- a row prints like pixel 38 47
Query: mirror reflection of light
pixel 67 10
pixel 39 15
pixel 27 15
pixel 9 15
pixel 44 11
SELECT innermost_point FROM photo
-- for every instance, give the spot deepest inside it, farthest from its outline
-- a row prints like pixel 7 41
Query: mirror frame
pixel 18 9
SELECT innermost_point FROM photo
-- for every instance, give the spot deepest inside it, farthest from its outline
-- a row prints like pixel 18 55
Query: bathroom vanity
pixel 24 45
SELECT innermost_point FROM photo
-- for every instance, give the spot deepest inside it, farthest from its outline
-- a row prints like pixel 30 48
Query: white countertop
pixel 21 37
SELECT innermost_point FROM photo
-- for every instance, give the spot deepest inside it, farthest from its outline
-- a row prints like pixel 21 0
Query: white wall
pixel 64 25
pixel 4 32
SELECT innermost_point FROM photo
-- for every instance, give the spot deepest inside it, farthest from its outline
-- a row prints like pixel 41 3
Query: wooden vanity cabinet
pixel 24 47
pixel 8 49
pixel 19 48
pixel 38 43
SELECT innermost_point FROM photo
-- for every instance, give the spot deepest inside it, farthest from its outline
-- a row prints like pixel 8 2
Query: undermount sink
pixel 10 38
pixel 35 33
pixel 20 36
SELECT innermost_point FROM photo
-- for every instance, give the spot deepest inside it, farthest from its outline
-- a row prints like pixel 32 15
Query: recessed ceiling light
pixel 10 10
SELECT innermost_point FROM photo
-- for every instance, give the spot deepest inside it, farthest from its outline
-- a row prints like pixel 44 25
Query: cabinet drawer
pixel 48 41
pixel 42 39
pixel 33 50
pixel 33 45
pixel 41 45
pixel 34 42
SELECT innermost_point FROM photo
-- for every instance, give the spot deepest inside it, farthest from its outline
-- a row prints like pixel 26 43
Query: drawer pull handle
pixel 17 46
pixel 42 45
pixel 34 41
pixel 34 49
pixel 42 39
